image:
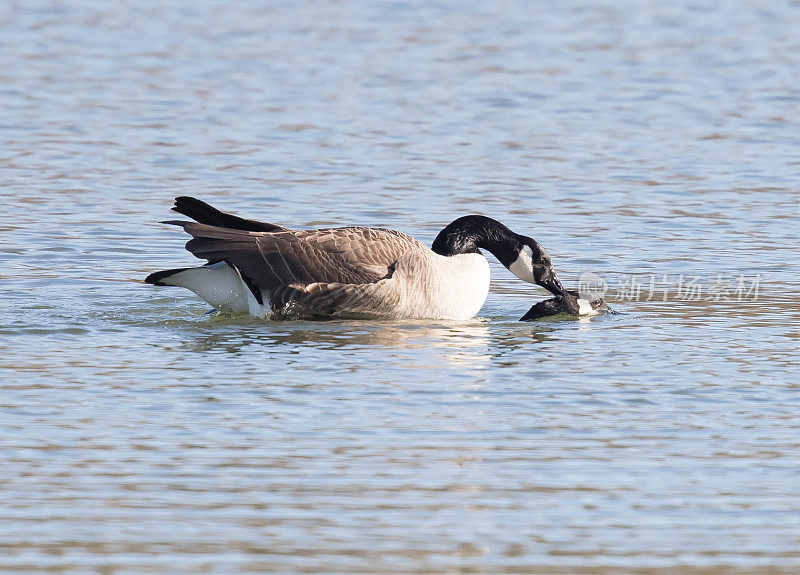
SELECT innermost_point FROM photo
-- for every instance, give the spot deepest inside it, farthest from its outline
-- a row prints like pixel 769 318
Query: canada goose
pixel 349 272
pixel 569 303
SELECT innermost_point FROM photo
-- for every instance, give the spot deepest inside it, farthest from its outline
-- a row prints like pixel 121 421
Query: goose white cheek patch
pixel 522 267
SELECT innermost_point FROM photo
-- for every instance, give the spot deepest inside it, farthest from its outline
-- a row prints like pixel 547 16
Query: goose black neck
pixel 468 234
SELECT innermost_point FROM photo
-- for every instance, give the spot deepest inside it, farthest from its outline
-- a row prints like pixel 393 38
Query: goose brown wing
pixel 272 259
pixel 382 298
pixel 372 249
pixel 368 300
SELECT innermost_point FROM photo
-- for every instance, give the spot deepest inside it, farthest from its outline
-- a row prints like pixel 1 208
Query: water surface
pixel 641 143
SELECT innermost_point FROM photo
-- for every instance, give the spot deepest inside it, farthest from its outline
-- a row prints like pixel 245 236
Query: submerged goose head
pixel 522 255
pixel 570 303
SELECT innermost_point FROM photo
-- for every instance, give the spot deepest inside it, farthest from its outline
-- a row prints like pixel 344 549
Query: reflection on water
pixel 466 343
pixel 140 435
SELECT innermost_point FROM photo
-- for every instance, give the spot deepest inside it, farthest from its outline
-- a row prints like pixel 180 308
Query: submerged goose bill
pixel 264 269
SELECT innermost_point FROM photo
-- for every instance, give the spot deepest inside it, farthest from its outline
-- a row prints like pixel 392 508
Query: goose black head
pixel 522 255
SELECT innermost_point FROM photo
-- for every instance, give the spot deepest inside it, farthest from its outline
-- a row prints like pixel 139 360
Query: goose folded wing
pixel 375 249
pixel 331 299
pixel 273 259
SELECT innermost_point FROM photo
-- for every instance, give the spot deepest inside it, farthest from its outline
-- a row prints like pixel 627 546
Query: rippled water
pixel 640 142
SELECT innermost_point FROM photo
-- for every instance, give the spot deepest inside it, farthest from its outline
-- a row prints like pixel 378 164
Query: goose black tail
pixel 201 212
pixel 156 278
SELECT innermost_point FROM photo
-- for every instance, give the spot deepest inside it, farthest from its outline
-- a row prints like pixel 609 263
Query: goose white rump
pixel 351 272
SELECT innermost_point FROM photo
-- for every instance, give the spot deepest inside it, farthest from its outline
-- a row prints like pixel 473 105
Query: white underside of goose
pixel 220 286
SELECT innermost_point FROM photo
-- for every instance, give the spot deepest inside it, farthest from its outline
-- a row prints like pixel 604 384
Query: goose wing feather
pixel 338 299
pixel 270 260
pixel 374 249
pixel 382 298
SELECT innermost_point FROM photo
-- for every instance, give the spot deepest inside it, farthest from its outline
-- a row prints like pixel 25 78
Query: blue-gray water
pixel 638 141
